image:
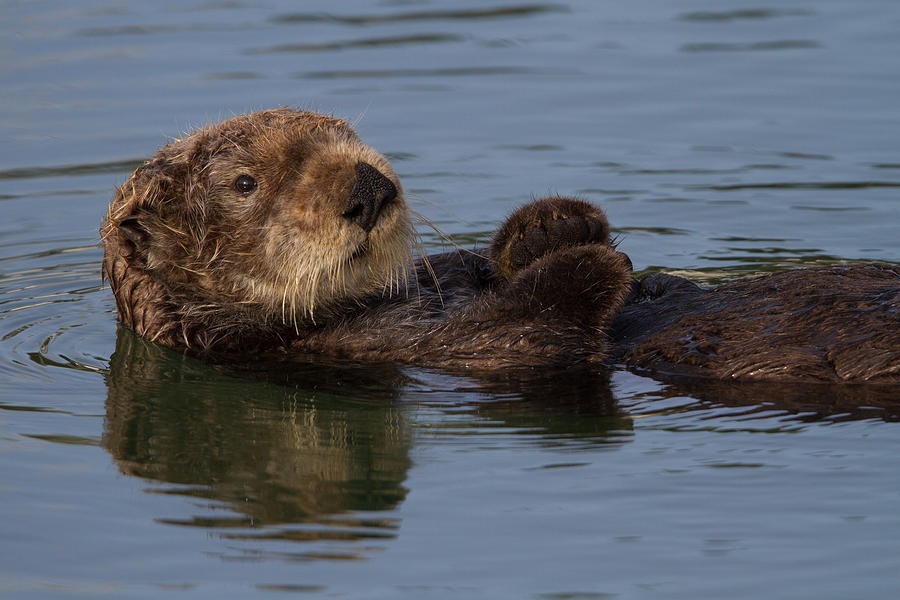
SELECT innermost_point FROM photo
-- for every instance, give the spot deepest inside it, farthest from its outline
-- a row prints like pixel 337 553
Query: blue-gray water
pixel 722 137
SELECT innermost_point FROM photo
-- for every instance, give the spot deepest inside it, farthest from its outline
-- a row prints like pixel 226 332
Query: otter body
pixel 280 231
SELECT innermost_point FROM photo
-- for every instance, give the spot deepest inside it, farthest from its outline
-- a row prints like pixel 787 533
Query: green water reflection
pixel 270 453
pixel 313 451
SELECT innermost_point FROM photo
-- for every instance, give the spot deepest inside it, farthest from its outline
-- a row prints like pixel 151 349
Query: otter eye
pixel 245 185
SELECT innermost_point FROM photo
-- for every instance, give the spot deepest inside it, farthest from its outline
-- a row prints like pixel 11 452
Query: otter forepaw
pixel 585 285
pixel 545 226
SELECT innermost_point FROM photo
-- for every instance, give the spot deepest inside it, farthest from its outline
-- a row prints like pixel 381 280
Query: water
pixel 723 138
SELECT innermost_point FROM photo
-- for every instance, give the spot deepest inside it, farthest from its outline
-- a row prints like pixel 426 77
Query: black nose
pixel 371 192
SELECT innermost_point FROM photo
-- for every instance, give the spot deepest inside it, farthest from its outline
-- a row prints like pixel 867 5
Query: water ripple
pixel 750 47
pixel 735 15
pixel 523 10
pixel 100 168
pixel 400 40
pixel 37 332
pixel 437 72
pixel 799 185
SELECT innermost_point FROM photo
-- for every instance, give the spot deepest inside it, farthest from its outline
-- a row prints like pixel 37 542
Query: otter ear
pixel 132 229
pixel 163 179
pixel 160 180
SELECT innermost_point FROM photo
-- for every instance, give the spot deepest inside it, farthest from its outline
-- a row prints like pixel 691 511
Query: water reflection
pixel 791 403
pixel 317 451
pixel 551 407
pixel 279 462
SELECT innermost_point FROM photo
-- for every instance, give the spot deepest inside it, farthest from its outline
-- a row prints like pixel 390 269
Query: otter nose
pixel 371 192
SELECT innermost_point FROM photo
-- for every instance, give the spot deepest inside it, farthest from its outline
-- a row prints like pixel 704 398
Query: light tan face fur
pixel 284 249
pixel 310 256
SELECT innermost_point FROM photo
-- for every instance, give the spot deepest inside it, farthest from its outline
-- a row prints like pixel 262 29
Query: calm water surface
pixel 722 137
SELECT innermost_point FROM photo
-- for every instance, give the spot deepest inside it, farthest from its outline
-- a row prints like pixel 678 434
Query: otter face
pixel 279 214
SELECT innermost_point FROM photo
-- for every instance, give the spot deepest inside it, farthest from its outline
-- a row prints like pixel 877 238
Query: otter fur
pixel 831 324
pixel 281 232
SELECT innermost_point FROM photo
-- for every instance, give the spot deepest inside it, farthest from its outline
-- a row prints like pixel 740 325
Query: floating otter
pixel 280 231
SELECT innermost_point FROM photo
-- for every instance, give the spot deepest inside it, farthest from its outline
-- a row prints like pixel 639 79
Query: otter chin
pixel 281 232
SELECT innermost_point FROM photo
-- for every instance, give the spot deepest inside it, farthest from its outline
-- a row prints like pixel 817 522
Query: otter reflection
pixel 560 406
pixel 274 454
pixel 292 450
pixel 800 401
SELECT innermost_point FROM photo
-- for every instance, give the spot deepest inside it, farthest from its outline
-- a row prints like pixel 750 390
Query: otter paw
pixel 545 226
pixel 585 285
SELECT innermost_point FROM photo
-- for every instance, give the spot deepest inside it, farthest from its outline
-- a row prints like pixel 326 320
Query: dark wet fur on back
pixel 838 323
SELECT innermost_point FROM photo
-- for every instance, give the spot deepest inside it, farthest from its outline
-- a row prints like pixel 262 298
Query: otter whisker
pixel 444 236
pixel 438 206
pixel 428 266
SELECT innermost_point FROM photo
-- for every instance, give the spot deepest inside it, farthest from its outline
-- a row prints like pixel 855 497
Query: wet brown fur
pixel 193 264
pixel 828 324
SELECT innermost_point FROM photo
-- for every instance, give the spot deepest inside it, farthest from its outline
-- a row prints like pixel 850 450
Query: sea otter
pixel 280 231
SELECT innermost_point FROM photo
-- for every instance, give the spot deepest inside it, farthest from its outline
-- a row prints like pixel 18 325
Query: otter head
pixel 264 219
